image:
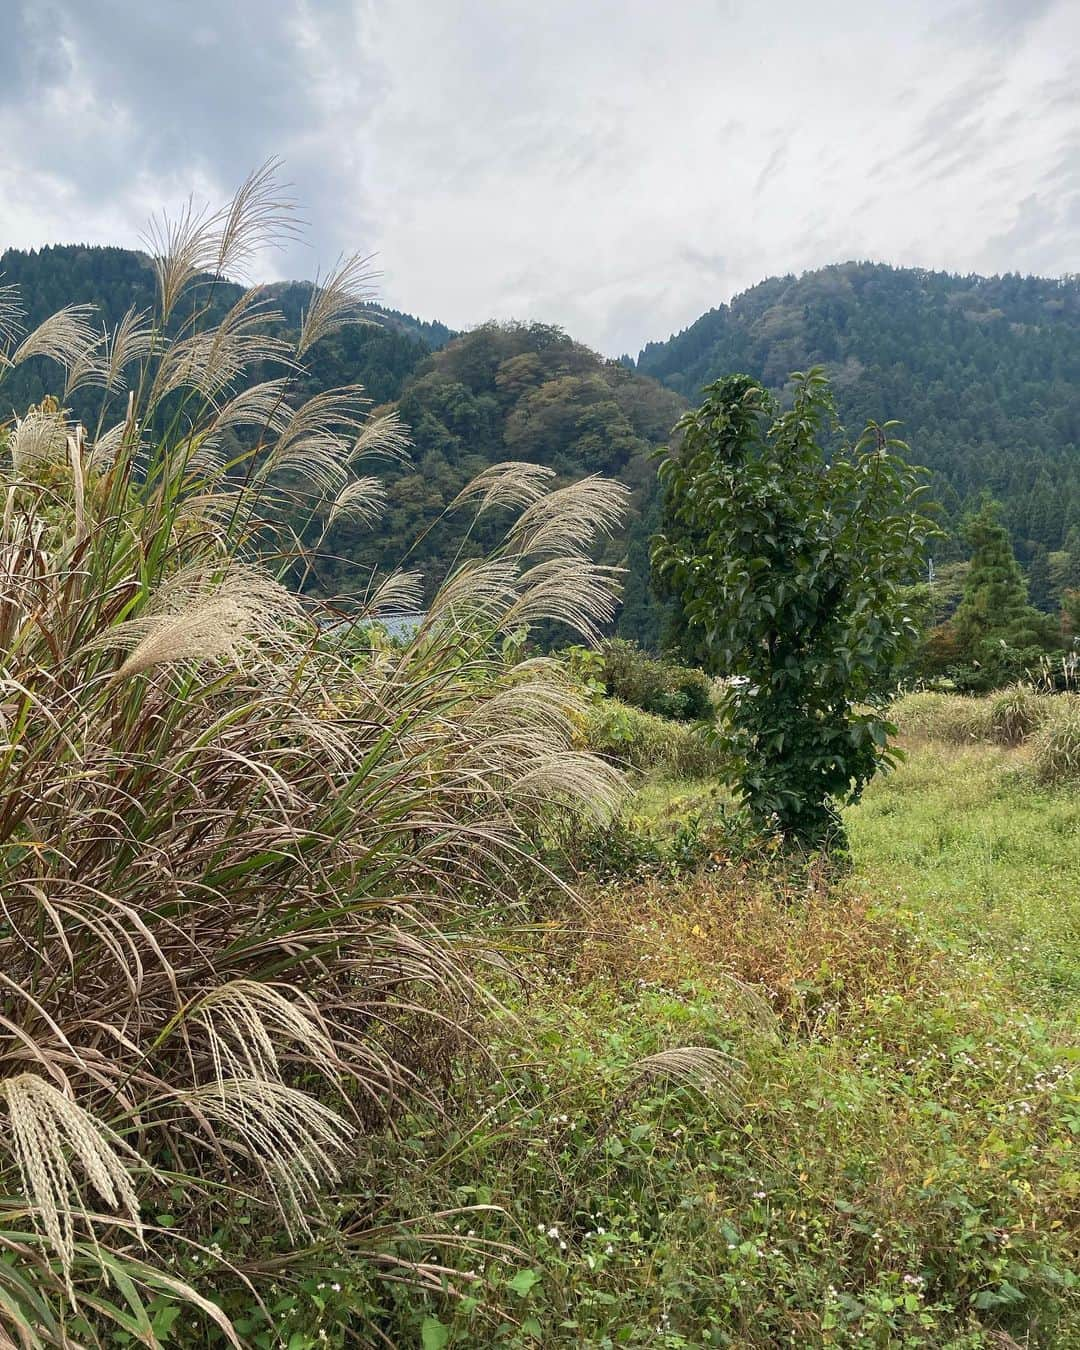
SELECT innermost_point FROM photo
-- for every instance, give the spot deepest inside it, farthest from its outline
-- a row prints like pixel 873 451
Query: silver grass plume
pixel 260 215
pixel 212 360
pixel 571 590
pixel 105 449
pixel 48 1134
pixel 706 1070
pixel 197 618
pixel 11 316
pixel 130 341
pixel 337 301
pixel 390 594
pixel 512 484
pixel 538 698
pixel 383 437
pixel 62 337
pixel 248 1023
pixel 317 440
pixel 38 439
pixel 575 778
pixel 201 244
pixel 89 367
pixel 478 592
pixel 361 500
pixel 259 405
pixel 290 1136
pixel 571 518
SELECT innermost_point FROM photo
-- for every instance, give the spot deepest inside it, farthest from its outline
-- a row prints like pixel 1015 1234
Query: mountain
pixel 380 355
pixel 526 392
pixel 983 372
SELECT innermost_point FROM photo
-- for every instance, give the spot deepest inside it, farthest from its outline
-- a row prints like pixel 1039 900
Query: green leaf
pixel 523 1282
pixel 434 1334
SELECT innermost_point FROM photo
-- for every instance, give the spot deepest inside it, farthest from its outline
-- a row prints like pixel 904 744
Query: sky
pixel 613 166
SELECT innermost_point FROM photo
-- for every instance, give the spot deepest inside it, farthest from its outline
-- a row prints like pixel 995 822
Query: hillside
pixel 379 356
pixel 519 392
pixel 983 372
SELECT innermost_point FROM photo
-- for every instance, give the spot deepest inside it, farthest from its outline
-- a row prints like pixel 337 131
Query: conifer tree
pixel 1041 590
pixel 998 631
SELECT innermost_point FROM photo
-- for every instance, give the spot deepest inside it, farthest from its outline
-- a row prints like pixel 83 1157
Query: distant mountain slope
pixel 499 392
pixel 983 372
pixel 379 356
pixel 518 392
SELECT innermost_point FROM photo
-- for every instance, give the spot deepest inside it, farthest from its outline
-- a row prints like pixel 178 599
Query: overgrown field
pixel 435 992
pixel 881 1149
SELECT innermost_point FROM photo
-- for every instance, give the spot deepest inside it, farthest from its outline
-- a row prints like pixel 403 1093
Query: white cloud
pixel 614 167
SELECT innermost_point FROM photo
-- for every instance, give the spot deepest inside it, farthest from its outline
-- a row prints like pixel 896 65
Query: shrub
pixel 954 718
pixel 656 686
pixel 1056 745
pixel 790 570
pixel 644 741
pixel 229 846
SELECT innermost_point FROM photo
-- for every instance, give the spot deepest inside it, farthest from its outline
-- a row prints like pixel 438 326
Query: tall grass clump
pixel 1055 747
pixel 238 849
pixel 640 740
pixel 956 719
pixel 656 686
pixel 1017 711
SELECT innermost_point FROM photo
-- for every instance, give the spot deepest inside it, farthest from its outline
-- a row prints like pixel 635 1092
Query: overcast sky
pixel 614 166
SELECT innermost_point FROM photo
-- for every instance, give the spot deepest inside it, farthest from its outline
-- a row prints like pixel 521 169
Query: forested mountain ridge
pixel 509 391
pixel 379 355
pixel 983 372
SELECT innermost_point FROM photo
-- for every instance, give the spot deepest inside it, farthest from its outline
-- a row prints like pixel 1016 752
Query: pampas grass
pixel 239 852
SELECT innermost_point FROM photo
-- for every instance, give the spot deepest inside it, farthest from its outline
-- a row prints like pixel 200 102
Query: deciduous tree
pixel 789 571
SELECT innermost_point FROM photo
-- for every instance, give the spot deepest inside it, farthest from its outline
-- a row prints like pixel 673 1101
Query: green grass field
pixel 962 840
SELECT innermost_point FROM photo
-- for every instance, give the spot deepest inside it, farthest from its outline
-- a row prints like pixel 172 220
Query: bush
pixel 654 685
pixel 650 743
pixel 1056 745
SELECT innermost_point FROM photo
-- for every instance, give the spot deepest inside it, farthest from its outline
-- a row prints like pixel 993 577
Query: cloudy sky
pixel 615 166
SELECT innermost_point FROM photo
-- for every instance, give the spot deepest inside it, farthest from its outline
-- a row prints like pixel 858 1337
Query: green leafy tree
pixel 998 633
pixel 790 571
